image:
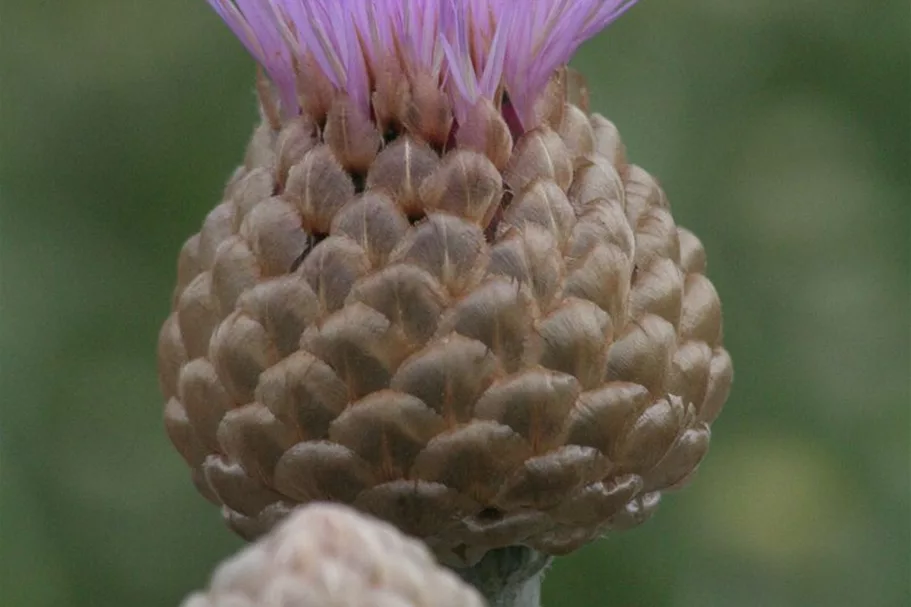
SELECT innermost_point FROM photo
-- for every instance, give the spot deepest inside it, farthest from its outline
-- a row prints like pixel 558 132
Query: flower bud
pixel 332 556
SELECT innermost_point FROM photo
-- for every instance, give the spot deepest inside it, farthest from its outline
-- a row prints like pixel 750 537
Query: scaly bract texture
pixel 482 357
pixel 473 319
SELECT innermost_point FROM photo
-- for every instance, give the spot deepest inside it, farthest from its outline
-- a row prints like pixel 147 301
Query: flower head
pixel 468 50
pixel 437 291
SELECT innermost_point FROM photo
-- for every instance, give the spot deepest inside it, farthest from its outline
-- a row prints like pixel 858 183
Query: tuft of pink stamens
pixel 471 49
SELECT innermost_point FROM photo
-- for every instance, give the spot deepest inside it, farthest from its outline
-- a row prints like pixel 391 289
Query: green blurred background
pixel 780 130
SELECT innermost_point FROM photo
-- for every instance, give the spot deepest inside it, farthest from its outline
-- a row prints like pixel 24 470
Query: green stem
pixel 509 577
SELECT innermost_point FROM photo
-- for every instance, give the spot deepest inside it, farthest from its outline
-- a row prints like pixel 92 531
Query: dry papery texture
pixel 487 342
pixel 331 556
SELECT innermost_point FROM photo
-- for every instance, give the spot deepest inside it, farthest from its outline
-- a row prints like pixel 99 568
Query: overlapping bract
pixel 483 353
pixel 470 49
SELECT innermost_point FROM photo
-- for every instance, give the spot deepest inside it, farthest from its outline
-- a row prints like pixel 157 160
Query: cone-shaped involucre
pixel 331 556
pixel 437 291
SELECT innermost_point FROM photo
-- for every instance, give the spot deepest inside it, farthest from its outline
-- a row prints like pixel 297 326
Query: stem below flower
pixel 509 577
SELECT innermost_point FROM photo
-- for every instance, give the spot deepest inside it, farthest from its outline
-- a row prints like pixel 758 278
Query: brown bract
pixel 500 343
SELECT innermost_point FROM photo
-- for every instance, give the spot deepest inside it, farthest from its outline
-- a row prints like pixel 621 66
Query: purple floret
pixel 473 49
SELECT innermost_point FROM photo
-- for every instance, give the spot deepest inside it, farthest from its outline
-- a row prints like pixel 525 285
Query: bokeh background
pixel 780 130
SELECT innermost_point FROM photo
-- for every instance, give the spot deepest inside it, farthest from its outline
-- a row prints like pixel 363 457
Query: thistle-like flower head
pixel 436 290
pixel 374 51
